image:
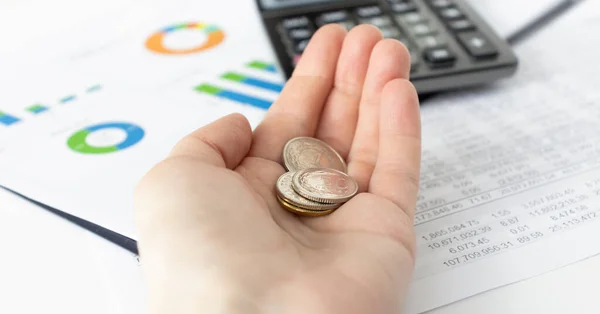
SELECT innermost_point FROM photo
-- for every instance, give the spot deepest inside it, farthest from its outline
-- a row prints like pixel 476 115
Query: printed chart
pixel 8 119
pixel 36 109
pixel 106 143
pixel 243 86
pixel 214 36
pixel 108 138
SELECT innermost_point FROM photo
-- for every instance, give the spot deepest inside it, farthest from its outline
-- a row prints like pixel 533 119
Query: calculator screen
pixel 278 4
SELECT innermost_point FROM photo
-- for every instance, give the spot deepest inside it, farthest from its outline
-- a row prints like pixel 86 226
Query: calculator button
pixel 410 18
pixel 390 32
pixel 296 22
pixel 438 4
pixel 379 21
pixel 407 43
pixel 403 7
pixel 451 13
pixel 441 56
pixel 422 29
pixel 348 25
pixel 332 17
pixel 297 34
pixel 430 42
pixel 477 45
pixel 300 46
pixel 461 25
pixel 369 11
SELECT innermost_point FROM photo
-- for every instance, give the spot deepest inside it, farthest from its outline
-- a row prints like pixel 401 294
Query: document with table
pixel 510 182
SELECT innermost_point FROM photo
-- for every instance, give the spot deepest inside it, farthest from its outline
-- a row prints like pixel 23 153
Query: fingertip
pixel 365 30
pixel 333 28
pixel 354 57
pixel 400 109
pixel 392 55
pixel 242 122
pixel 224 142
pixel 243 130
pixel 322 52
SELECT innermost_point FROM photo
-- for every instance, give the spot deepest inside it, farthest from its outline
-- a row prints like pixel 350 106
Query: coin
pixel 287 193
pixel 324 185
pixel 307 152
pixel 302 211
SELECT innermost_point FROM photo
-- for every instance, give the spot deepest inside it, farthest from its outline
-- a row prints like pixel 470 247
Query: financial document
pixel 510 181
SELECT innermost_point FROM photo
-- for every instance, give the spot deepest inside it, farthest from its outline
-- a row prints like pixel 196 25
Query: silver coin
pixel 287 193
pixel 307 152
pixel 324 185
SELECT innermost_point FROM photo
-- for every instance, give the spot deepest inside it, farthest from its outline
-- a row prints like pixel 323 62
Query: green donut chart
pixel 78 141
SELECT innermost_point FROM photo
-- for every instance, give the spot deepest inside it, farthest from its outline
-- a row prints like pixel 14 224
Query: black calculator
pixel 451 46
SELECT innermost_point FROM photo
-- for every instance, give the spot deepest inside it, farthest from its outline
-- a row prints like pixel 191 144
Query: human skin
pixel 213 237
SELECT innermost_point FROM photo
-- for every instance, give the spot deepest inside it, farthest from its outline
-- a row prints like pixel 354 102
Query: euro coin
pixel 306 152
pixel 301 211
pixel 324 185
pixel 287 193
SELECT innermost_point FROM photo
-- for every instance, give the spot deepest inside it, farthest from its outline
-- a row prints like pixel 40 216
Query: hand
pixel 214 239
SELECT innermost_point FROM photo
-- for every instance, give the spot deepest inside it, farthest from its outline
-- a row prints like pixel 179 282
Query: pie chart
pixel 156 42
pixel 105 138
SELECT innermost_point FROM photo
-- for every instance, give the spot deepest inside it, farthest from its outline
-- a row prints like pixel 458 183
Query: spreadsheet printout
pixel 510 182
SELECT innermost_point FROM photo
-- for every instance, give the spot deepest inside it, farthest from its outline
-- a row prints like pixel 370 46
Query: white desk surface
pixel 51 266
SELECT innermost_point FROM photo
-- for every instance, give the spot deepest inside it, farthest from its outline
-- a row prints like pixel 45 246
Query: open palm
pixel 214 239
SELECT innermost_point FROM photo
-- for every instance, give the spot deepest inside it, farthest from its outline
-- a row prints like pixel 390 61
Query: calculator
pixel 451 46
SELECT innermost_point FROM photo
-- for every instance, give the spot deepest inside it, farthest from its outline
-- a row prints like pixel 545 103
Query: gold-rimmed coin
pixel 324 185
pixel 287 193
pixel 301 211
pixel 307 152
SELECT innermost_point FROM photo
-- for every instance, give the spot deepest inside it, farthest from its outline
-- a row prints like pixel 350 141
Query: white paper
pixel 49 265
pixel 131 83
pixel 99 186
pixel 571 289
pixel 508 17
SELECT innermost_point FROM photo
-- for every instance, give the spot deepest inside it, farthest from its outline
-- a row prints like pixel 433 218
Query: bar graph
pixel 41 106
pixel 93 88
pixel 67 99
pixel 236 77
pixel 262 66
pixel 36 109
pixel 232 95
pixel 7 120
pixel 256 84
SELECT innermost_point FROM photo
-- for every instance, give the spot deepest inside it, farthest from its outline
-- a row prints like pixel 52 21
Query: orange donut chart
pixel 214 36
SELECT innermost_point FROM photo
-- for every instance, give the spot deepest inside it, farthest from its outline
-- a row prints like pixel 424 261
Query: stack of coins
pixel 316 183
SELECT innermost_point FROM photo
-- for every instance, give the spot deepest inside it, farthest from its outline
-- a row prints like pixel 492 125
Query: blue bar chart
pixel 7 120
pixel 245 83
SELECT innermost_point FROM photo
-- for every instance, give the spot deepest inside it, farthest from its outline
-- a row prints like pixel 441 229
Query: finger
pixel 223 143
pixel 390 60
pixel 338 120
pixel 396 173
pixel 298 108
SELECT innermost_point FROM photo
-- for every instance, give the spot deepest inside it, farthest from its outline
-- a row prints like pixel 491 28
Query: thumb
pixel 222 143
